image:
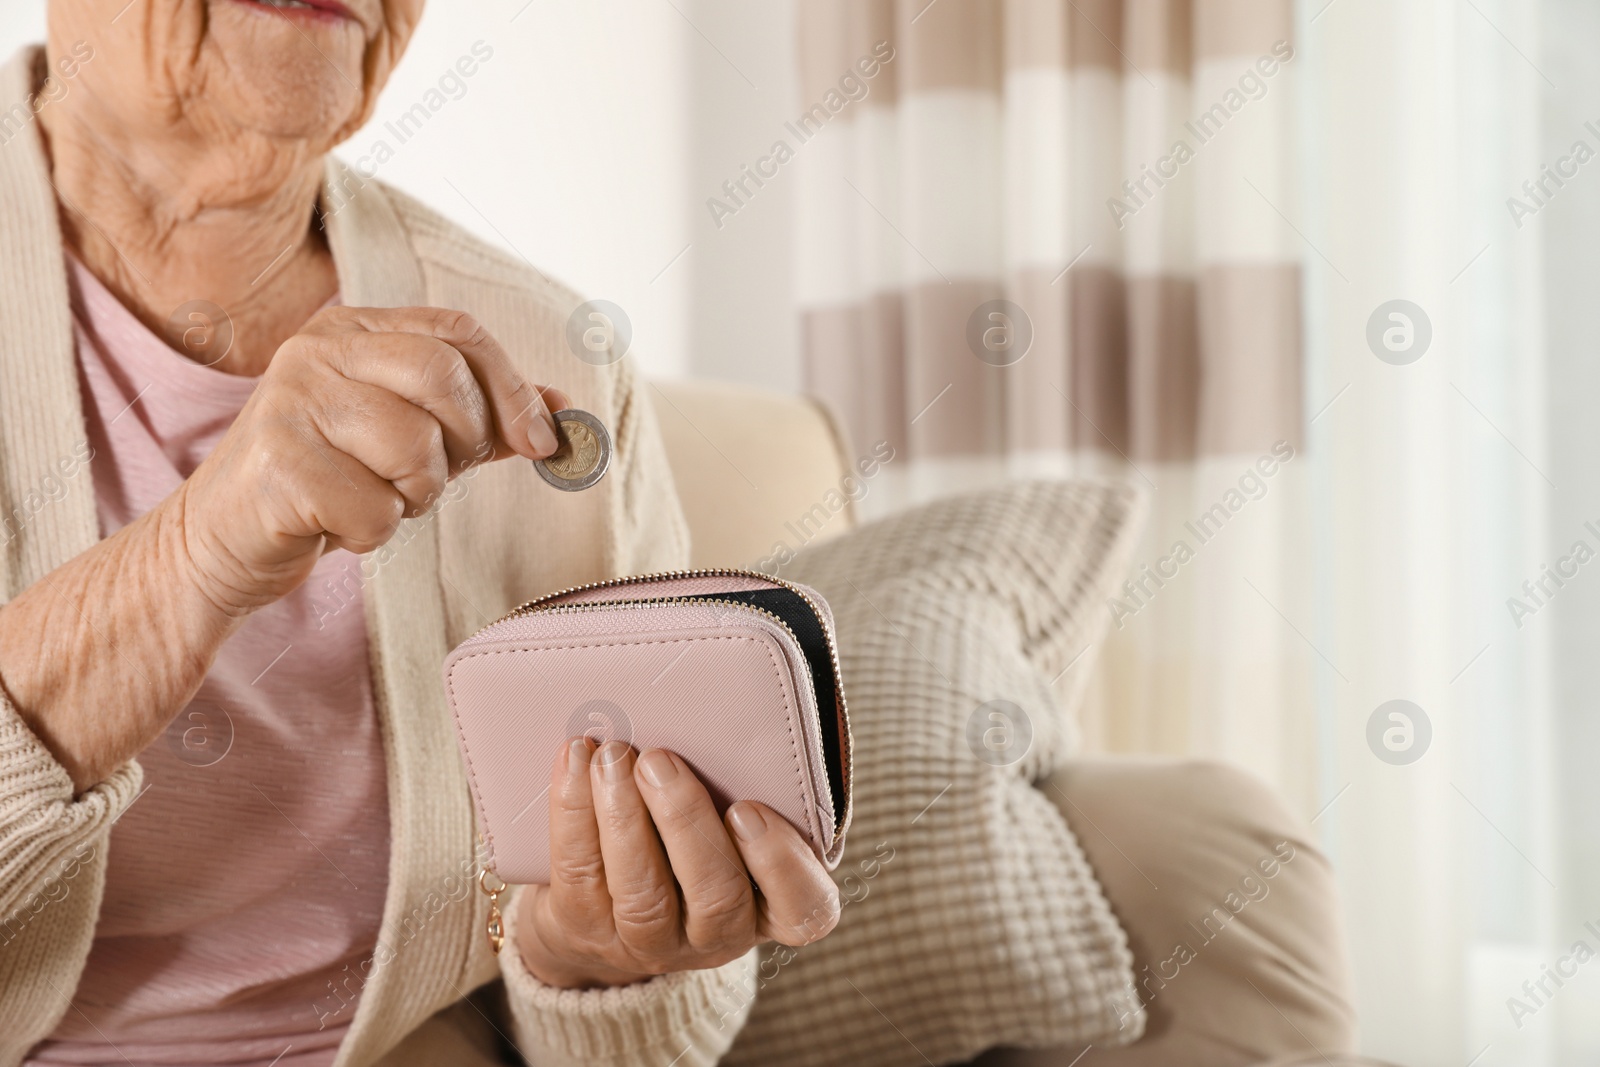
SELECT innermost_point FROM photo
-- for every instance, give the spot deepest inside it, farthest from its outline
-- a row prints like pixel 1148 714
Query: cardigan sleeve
pixel 44 828
pixel 688 1019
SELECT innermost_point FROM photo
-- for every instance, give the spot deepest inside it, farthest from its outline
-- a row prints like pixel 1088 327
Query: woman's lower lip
pixel 318 10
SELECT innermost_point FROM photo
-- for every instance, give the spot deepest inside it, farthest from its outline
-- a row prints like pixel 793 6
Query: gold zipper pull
pixel 496 928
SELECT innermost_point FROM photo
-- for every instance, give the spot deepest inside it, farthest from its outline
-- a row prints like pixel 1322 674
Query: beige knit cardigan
pixel 504 537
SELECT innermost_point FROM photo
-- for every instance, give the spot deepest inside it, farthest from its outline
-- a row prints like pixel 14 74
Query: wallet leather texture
pixel 734 671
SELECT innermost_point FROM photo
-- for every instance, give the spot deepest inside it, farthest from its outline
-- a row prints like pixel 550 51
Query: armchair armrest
pixel 754 469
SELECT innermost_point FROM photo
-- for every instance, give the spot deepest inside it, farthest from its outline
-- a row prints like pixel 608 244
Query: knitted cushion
pixel 971 917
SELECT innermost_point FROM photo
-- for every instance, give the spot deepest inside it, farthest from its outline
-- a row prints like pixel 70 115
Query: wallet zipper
pixel 532 608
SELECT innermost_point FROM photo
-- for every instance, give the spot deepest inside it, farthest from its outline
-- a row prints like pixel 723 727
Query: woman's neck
pixel 163 226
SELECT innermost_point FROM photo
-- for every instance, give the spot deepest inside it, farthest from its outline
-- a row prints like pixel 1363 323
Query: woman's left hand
pixel 646 879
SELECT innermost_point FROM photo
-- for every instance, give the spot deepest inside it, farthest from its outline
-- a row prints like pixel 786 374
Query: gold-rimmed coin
pixel 583 456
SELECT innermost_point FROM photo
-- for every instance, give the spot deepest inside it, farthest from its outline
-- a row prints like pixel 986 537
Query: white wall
pixel 742 310
pixel 590 141
pixel 21 21
pixel 568 146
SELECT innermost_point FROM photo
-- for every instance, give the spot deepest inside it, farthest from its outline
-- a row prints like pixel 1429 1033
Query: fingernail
pixel 610 756
pixel 578 755
pixel 657 768
pixel 542 435
pixel 748 822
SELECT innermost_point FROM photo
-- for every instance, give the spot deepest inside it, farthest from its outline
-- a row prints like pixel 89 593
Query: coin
pixel 579 452
pixel 584 453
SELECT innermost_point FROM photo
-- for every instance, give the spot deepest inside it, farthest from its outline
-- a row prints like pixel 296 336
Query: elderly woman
pixel 233 824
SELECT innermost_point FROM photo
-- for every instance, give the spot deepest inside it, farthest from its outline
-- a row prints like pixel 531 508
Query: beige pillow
pixel 972 918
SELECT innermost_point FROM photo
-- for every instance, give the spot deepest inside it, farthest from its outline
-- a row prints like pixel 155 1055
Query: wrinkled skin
pixel 187 152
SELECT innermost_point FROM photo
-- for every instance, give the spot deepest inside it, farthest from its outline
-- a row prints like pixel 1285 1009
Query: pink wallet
pixel 734 671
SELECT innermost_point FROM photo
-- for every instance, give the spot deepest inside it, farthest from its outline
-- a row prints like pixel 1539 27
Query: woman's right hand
pixel 359 421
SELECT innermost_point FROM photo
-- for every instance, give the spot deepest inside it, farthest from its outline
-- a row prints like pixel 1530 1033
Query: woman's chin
pixel 286 73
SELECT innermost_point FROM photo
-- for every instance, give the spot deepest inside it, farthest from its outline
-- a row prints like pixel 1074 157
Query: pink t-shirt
pixel 246 883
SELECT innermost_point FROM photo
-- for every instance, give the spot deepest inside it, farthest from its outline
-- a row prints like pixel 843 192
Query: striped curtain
pixel 1047 237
